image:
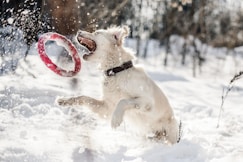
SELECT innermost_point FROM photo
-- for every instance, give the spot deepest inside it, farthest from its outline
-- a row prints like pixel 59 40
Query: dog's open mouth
pixel 88 43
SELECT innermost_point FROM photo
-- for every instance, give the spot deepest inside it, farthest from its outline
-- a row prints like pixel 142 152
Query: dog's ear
pixel 120 33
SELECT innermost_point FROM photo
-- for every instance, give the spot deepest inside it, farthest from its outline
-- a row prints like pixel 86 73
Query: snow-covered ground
pixel 34 129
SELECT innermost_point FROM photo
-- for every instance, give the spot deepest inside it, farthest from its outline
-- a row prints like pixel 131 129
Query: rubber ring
pixel 67 44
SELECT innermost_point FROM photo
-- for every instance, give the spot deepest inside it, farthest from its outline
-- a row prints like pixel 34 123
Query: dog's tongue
pixel 88 43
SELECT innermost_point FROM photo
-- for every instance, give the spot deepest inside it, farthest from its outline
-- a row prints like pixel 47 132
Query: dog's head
pixel 102 43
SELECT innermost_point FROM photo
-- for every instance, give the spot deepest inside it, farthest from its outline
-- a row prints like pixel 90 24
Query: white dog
pixel 128 93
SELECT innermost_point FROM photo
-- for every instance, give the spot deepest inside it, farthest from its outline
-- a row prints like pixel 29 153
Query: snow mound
pixel 33 128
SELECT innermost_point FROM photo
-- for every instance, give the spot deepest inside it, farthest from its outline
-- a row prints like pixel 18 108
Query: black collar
pixel 113 71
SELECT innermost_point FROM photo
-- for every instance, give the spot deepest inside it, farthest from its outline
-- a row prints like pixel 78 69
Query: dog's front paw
pixel 116 120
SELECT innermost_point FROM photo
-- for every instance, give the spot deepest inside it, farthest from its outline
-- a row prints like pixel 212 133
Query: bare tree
pixel 68 16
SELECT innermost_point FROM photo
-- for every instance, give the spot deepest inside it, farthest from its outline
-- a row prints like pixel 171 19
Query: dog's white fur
pixel 130 93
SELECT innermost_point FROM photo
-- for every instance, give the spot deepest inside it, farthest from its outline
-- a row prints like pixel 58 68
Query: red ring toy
pixel 72 51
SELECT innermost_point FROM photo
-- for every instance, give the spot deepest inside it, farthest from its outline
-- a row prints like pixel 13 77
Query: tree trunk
pixel 146 49
pixel 196 58
pixel 184 51
pixel 138 45
pixel 167 50
pixel 64 15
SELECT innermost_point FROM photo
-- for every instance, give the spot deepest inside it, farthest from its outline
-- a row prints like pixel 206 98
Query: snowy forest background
pixel 198 24
pixel 192 49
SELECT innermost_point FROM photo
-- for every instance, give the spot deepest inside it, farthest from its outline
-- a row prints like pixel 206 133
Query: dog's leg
pixel 125 104
pixel 97 106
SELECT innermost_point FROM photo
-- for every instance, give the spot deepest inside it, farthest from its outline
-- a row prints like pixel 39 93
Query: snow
pixel 10 20
pixel 33 128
